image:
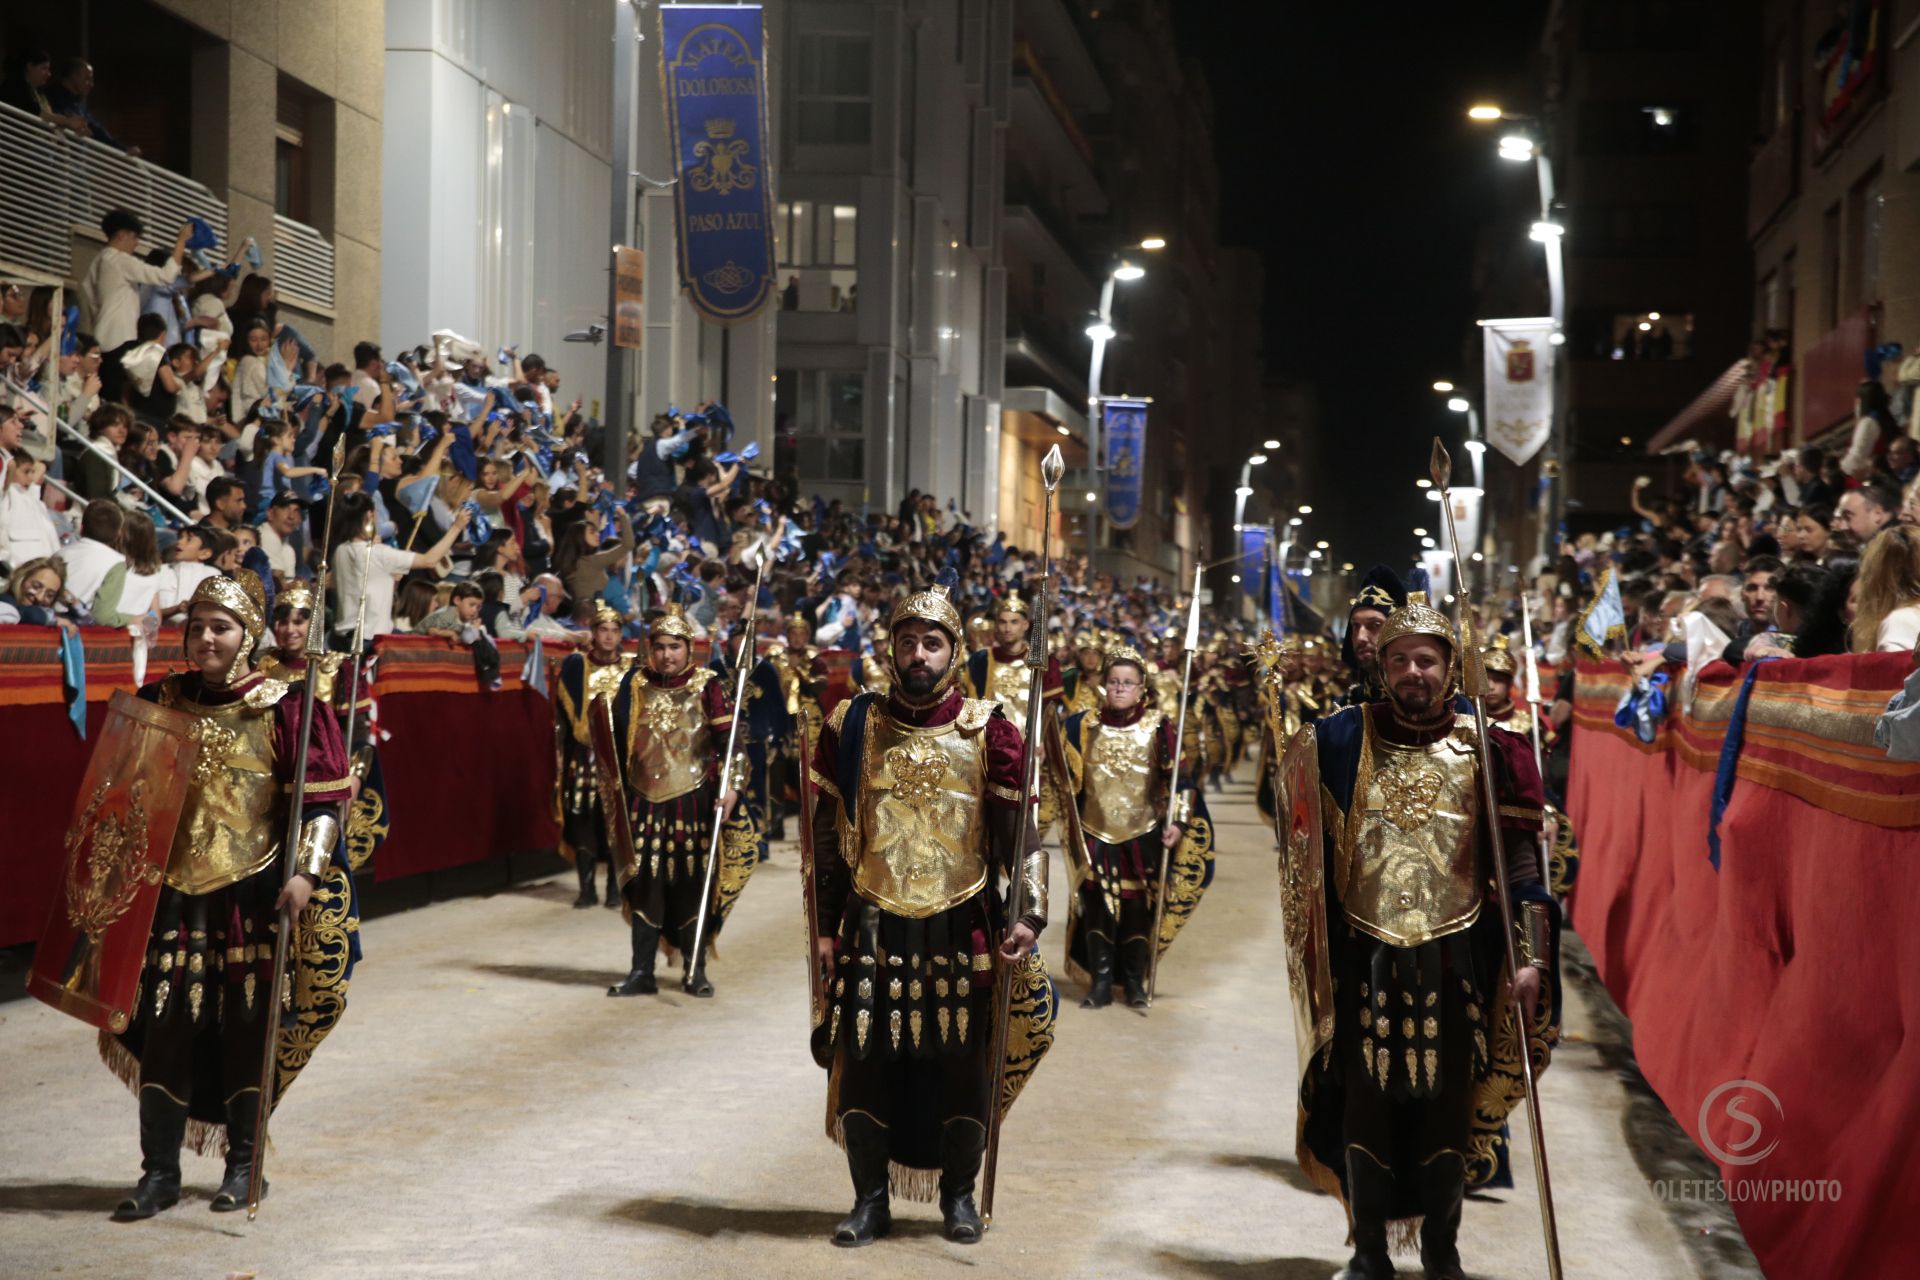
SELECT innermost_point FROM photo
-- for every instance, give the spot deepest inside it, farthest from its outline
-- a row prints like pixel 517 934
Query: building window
pixel 815 245
pixel 292 125
pixel 833 95
pixel 1864 207
pixel 1601 333
pixel 820 425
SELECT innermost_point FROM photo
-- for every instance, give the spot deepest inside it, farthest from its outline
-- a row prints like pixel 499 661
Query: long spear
pixel 1052 467
pixel 283 919
pixel 698 960
pixel 1533 676
pixel 1476 681
pixel 1173 785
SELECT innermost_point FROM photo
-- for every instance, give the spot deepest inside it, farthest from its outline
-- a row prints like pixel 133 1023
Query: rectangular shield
pixel 88 960
pixel 1303 895
pixel 607 775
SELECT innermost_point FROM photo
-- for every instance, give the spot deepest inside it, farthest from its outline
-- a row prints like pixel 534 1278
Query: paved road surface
pixel 485 1110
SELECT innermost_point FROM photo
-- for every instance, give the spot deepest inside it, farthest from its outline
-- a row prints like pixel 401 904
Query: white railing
pixel 302 263
pixel 56 181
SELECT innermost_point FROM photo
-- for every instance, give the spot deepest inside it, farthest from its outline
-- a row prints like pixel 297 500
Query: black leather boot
pixel 1133 967
pixel 242 1112
pixel 867 1157
pixel 1100 965
pixel 163 1127
pixel 1370 1199
pixel 613 887
pixel 583 867
pixel 646 949
pixel 1443 1187
pixel 962 1144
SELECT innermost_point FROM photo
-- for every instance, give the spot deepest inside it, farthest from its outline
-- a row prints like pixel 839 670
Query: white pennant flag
pixel 1519 381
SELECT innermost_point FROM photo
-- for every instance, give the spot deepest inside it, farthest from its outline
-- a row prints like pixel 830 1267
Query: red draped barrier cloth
pixel 1795 966
pixel 469 771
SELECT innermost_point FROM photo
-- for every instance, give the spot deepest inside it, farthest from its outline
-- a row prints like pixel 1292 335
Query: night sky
pixel 1347 158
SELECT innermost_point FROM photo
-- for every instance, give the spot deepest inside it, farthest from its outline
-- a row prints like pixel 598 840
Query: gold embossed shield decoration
pixel 1303 896
pixel 88 960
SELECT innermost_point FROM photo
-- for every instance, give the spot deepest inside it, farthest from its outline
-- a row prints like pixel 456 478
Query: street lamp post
pixel 1528 143
pixel 1103 332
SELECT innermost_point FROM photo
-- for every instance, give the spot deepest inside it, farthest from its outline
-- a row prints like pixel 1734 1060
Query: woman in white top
pixel 365 569
pixel 1886 616
pixel 250 375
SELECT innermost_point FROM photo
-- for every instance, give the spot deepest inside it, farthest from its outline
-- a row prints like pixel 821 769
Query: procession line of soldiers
pixel 913 835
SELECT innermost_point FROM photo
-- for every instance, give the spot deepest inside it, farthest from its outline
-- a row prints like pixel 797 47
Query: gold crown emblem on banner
pixel 720 127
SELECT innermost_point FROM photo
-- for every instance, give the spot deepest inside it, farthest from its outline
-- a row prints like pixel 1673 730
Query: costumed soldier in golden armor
pixel 1396 954
pixel 918 817
pixel 1381 592
pixel 1121 761
pixel 1080 684
pixel 345 686
pixel 1503 708
pixel 584 676
pixel 671 720
pixel 1001 672
pixel 193 1050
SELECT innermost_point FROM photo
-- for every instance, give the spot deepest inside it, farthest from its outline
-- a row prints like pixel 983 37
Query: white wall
pixel 498 224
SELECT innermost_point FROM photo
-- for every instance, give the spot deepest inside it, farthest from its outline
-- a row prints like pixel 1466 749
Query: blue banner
pixel 715 77
pixel 1124 427
pixel 1255 550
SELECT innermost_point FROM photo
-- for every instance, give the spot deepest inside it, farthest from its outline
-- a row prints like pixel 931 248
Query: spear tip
pixel 1052 467
pixel 1440 464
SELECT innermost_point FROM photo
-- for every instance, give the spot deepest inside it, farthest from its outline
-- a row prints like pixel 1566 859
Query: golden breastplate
pixel 1122 778
pixel 670 744
pixel 228 828
pixel 922 844
pixel 1008 683
pixel 1411 872
pixel 326 679
pixel 1518 720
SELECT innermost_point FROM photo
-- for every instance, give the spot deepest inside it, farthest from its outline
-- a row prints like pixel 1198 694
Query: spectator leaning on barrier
pixel 34 593
pixel 69 99
pixel 1887 614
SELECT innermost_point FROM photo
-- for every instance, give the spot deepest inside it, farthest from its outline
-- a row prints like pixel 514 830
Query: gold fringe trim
pixel 904 1182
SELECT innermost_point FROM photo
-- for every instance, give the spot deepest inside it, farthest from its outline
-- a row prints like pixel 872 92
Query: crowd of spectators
pixel 1810 554
pixel 471 500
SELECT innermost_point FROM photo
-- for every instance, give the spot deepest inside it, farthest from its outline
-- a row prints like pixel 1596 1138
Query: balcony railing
pixel 56 182
pixel 302 263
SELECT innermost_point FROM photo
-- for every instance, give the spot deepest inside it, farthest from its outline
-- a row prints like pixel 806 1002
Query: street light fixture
pixel 1271 445
pixel 1443 386
pixel 1101 332
pixel 1127 273
pixel 1516 147
pixel 1423 483
pixel 1153 244
pixel 1305 510
pixel 1296 522
pixel 1484 111
pixel 1419 533
pixel 1245 490
pixel 1546 232
pixel 1459 404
